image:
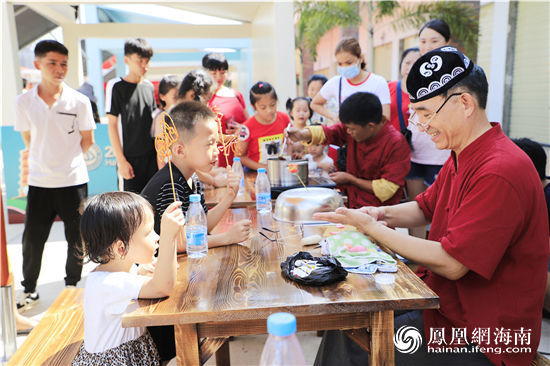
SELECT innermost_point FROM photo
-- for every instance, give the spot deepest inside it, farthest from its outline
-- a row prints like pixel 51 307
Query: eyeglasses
pixel 427 124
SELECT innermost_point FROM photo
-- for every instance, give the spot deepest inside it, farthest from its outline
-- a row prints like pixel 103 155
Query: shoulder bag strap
pixel 399 108
pixel 340 93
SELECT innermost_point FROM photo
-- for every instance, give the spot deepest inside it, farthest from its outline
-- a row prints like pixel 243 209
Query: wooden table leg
pixel 187 344
pixel 361 337
pixel 222 355
pixel 382 348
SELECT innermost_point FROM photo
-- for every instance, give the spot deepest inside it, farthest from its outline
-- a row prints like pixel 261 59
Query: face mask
pixel 349 72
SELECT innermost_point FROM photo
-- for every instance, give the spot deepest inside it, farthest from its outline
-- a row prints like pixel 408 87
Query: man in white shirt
pixel 56 124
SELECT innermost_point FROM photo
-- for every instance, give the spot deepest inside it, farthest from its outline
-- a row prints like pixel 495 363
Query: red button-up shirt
pixel 386 155
pixel 488 211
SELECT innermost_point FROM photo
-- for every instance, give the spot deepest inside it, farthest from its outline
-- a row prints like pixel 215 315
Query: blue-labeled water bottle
pixel 263 193
pixel 196 228
pixel 237 168
pixel 282 347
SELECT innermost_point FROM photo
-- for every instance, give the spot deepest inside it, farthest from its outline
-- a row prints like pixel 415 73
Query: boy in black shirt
pixel 196 149
pixel 133 98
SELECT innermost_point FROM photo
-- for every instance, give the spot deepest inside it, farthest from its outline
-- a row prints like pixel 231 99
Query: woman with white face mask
pixel 353 77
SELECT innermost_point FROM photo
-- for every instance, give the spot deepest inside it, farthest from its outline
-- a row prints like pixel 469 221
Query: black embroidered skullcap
pixel 436 72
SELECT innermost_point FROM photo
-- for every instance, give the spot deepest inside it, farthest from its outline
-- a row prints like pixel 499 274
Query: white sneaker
pixel 26 300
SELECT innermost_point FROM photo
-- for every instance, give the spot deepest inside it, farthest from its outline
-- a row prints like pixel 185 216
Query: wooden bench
pixel 58 336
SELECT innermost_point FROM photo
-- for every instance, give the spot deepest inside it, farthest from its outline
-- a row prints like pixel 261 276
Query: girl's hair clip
pixel 261 85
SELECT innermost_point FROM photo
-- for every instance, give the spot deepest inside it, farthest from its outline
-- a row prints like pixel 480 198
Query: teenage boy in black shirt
pixel 133 99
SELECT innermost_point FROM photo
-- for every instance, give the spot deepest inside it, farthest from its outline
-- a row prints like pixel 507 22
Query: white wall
pixel 530 107
pixel 272 39
pixel 497 69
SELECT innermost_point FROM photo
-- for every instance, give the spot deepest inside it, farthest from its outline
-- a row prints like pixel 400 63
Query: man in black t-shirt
pixel 133 99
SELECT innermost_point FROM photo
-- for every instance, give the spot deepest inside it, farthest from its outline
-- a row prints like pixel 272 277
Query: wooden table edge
pixel 137 320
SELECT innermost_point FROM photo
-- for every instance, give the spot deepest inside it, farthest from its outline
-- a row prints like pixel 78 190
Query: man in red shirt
pixel 378 156
pixel 487 251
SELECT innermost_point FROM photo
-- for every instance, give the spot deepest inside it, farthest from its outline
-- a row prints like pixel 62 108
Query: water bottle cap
pixel 281 324
pixel 237 159
pixel 261 170
pixel 194 198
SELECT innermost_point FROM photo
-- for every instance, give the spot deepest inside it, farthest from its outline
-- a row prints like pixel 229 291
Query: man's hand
pixel 233 181
pixel 342 215
pixel 377 213
pixel 239 231
pixel 341 178
pixel 296 135
pixel 125 169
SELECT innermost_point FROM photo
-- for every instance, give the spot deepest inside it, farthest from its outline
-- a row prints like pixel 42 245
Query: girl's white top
pixel 107 296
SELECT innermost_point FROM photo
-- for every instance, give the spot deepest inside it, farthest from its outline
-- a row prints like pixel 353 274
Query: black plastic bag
pixel 330 271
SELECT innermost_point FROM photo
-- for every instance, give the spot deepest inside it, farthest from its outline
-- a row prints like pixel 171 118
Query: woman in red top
pixel 225 100
pixel 409 56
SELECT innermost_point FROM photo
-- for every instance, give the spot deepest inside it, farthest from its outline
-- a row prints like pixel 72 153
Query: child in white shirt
pixel 117 231
pixel 319 163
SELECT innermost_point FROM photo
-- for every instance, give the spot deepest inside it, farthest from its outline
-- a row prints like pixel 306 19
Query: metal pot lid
pixel 299 204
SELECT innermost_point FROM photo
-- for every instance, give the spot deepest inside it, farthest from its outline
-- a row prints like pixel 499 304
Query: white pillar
pixel 284 50
pixel 272 41
pixel 10 78
pixel 495 100
pixel 75 73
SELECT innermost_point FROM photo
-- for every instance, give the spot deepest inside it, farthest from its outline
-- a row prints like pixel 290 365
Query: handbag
pixel 341 162
pixel 404 130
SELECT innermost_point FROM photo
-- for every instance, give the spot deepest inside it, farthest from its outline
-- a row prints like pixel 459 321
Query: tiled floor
pixel 244 350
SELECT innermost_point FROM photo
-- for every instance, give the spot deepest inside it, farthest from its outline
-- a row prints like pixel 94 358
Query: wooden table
pixel 235 288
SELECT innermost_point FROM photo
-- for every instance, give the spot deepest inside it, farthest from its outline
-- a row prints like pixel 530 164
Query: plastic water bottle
pixel 237 168
pixel 282 347
pixel 263 193
pixel 196 229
